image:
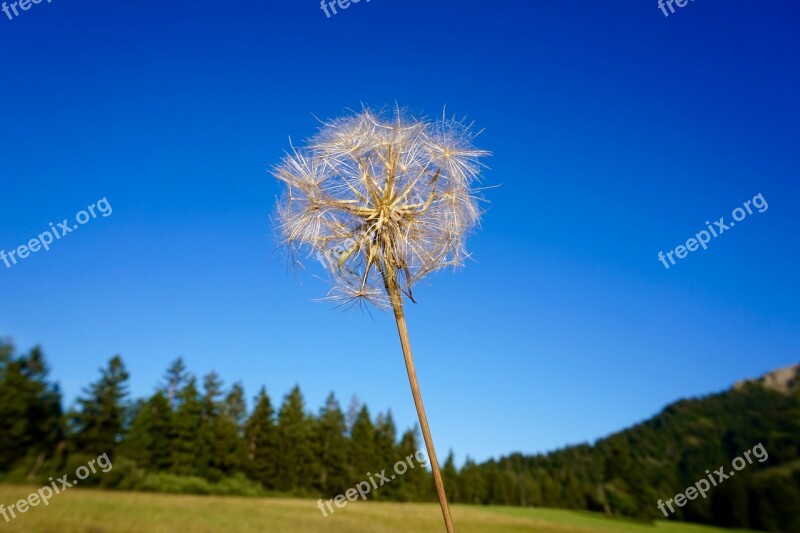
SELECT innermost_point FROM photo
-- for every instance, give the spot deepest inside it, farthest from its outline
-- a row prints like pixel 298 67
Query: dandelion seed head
pixel 373 195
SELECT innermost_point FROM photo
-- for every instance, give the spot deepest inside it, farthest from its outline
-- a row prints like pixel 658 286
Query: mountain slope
pixel 628 472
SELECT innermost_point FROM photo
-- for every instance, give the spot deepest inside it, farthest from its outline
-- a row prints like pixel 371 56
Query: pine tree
pixel 417 483
pixel 222 444
pixel 352 413
pixel 187 452
pixel 296 465
pixel 235 407
pixel 386 451
pixel 30 408
pixel 176 378
pixel 472 486
pixel 385 439
pixel 450 478
pixel 331 449
pixel 98 424
pixel 363 454
pixel 150 438
pixel 210 410
pixel 261 437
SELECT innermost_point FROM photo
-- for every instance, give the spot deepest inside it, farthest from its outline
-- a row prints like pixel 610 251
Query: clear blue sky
pixel 616 133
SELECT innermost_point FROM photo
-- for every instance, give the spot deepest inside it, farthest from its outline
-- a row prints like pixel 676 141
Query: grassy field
pixel 89 511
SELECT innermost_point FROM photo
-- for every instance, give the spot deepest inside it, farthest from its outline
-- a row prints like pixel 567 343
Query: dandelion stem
pixel 393 290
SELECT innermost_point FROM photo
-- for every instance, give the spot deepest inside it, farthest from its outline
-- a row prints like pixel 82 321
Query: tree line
pixel 197 436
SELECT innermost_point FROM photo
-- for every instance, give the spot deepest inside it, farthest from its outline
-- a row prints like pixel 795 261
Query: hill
pixel 628 472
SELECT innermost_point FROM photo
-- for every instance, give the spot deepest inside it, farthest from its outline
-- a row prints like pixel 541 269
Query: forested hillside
pixel 199 436
pixel 628 472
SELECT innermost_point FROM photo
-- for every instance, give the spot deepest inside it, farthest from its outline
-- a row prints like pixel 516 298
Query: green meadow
pixel 92 511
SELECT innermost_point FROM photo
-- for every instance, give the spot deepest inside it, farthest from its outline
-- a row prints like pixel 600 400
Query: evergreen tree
pixel 386 451
pixel 331 449
pixel 30 408
pixel 385 440
pixel 187 452
pixel 98 424
pixel 210 410
pixel 176 378
pixel 472 485
pixel 212 391
pixel 363 454
pixel 150 438
pixel 450 479
pixel 417 483
pixel 352 413
pixel 235 407
pixel 222 444
pixel 296 465
pixel 261 437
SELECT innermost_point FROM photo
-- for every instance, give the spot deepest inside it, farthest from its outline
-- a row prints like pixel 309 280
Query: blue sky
pixel 616 133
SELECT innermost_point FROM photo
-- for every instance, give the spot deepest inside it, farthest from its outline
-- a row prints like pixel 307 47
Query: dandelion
pixel 383 200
